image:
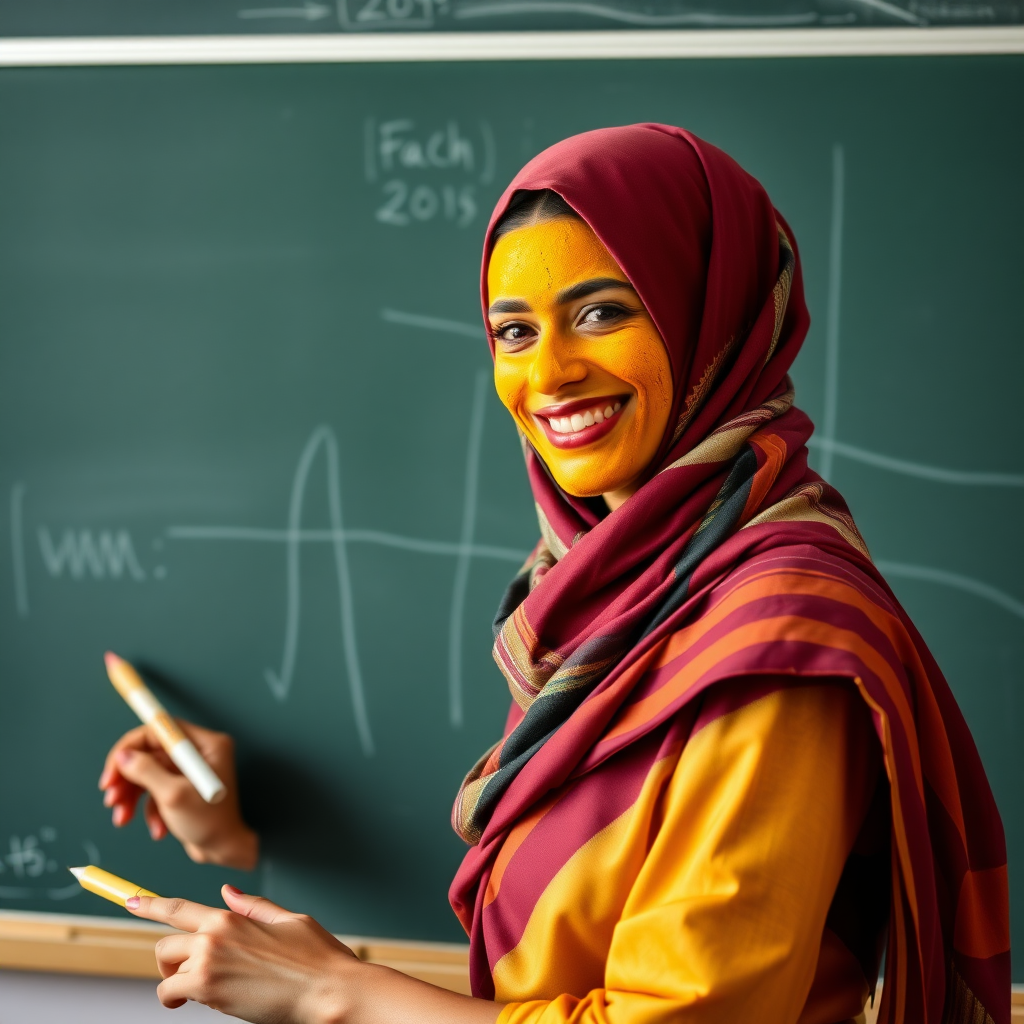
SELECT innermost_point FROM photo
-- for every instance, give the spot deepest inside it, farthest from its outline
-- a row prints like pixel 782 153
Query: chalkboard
pixel 248 440
pixel 242 17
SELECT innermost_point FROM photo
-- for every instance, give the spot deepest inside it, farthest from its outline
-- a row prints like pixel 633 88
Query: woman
pixel 732 772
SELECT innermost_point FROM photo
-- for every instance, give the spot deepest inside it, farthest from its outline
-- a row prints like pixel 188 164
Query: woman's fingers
pixel 256 908
pixel 135 739
pixel 181 914
pixel 172 991
pixel 154 822
pixel 218 748
pixel 171 952
pixel 121 791
pixel 122 797
pixel 256 961
pixel 147 772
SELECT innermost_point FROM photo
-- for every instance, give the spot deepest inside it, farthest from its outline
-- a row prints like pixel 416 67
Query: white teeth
pixel 576 422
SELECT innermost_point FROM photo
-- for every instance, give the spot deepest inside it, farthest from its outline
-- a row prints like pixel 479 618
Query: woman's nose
pixel 555 364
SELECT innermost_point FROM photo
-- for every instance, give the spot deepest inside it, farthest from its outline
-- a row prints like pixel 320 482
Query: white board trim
pixel 333 48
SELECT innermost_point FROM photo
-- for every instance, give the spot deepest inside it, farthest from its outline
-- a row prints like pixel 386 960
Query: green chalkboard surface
pixel 245 17
pixel 247 437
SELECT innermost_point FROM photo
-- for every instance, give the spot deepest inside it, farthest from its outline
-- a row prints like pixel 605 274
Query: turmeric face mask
pixel 578 361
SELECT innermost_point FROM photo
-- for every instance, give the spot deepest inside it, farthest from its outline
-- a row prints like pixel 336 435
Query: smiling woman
pixel 732 774
pixel 577 359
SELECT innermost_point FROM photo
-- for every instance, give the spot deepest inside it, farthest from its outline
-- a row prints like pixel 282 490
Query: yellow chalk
pixel 109 886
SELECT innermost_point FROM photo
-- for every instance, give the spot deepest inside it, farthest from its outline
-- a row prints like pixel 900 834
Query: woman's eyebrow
pixel 585 288
pixel 509 306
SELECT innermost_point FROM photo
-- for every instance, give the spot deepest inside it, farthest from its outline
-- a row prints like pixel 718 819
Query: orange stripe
pixel 732 598
pixel 774 449
pixel 516 838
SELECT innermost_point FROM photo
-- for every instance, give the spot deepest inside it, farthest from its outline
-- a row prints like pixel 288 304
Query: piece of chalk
pixel 179 747
pixel 110 887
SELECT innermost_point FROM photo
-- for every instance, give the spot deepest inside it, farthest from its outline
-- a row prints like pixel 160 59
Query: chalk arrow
pixel 309 11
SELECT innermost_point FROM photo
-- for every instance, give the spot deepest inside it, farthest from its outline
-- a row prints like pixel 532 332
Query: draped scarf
pixel 729 490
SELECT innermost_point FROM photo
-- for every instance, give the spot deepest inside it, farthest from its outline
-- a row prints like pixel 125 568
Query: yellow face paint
pixel 578 361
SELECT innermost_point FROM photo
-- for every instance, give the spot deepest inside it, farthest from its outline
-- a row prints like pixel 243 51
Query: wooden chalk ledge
pixel 69 944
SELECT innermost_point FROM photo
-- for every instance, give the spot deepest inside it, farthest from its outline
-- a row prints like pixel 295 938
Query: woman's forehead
pixel 547 257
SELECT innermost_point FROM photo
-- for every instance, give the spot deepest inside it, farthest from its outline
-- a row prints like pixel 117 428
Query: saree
pixel 732 561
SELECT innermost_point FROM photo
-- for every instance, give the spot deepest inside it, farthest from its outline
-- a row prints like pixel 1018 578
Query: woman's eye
pixel 604 314
pixel 513 334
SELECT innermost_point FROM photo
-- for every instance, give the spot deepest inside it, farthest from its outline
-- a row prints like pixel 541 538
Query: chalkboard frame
pixel 441 47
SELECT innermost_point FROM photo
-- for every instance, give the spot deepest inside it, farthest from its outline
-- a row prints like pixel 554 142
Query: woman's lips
pixel 579 423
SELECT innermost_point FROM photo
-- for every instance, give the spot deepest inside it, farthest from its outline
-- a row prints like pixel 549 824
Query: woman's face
pixel 578 360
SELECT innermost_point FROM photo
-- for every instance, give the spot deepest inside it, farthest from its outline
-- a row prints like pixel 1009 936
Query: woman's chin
pixel 590 485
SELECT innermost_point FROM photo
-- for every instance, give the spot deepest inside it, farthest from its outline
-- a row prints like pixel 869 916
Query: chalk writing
pixel 401 151
pixel 402 206
pixel 400 148
pixel 108 554
pixel 30 865
pixel 26 858
pixel 385 14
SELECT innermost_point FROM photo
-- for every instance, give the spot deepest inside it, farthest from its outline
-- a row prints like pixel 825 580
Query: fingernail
pixel 108 798
pixel 234 890
pixel 132 903
pixel 125 756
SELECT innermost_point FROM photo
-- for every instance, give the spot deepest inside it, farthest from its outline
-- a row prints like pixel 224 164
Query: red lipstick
pixel 565 422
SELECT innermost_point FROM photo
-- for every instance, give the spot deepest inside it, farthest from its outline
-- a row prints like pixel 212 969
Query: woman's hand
pixel 255 961
pixel 265 964
pixel 210 833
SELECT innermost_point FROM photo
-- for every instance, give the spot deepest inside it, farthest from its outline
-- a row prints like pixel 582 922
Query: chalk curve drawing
pixel 18 548
pixel 944 578
pixel 294 537
pixel 280 681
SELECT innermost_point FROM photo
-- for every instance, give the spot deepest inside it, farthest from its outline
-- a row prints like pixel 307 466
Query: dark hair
pixel 530 206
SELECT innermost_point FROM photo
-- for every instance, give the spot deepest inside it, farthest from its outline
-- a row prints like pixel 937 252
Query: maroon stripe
pixel 590 804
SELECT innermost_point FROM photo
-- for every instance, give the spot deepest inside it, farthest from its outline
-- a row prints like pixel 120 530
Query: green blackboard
pixel 247 437
pixel 47 18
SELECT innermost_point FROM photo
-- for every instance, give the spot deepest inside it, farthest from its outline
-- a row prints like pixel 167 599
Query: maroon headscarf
pixel 717 268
